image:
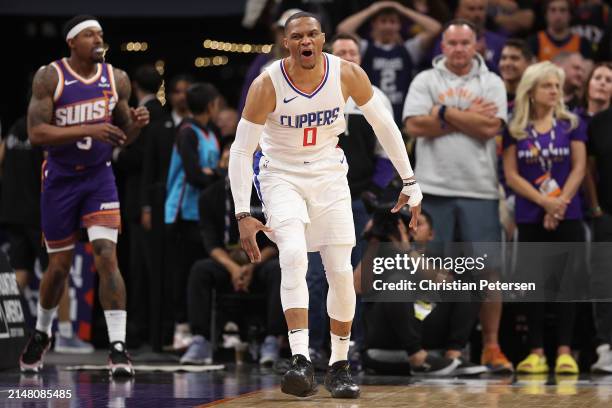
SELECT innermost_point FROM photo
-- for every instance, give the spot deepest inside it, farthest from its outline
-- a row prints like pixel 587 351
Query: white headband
pixel 74 31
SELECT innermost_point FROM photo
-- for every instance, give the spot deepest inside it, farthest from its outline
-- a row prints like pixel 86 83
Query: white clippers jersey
pixel 304 127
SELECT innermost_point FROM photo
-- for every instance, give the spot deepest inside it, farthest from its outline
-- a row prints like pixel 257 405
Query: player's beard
pixel 98 56
pixel 308 66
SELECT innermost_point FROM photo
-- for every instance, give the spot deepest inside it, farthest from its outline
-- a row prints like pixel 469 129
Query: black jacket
pixel 218 224
pixel 159 141
pixel 129 165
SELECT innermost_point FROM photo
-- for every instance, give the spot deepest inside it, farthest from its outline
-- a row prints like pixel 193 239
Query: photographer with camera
pixel 408 329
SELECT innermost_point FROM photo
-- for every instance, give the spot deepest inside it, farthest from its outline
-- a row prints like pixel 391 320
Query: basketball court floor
pixel 249 386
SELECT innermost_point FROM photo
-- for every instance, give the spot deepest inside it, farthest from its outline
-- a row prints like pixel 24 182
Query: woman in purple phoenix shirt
pixel 544 163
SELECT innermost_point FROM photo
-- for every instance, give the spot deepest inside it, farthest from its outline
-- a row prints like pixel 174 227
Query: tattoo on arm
pixel 121 113
pixel 40 109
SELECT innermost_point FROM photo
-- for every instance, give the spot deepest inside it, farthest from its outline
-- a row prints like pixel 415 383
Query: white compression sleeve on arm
pixel 241 163
pixel 389 136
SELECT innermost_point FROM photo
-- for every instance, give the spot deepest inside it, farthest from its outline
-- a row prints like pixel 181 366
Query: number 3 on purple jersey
pixel 84 144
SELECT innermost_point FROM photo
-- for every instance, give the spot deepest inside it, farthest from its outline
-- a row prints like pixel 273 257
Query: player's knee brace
pixel 339 272
pixel 294 264
pixel 341 295
pixel 294 290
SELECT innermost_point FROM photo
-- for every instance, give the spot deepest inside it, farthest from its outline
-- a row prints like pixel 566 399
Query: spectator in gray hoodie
pixel 455 110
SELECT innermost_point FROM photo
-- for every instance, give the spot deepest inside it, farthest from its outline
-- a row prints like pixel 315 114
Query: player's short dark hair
pixel 179 78
pixel 74 21
pixel 200 95
pixel 460 22
pixel 522 46
pixel 345 36
pixel 302 14
pixel 148 78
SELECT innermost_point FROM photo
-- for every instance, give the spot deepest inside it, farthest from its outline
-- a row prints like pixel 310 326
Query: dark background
pixel 30 32
pixel 29 41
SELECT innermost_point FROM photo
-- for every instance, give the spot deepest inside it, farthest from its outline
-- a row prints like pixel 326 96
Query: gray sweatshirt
pixel 456 165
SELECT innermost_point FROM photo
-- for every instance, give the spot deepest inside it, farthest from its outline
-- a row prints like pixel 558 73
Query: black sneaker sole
pixel 295 384
pixel 343 393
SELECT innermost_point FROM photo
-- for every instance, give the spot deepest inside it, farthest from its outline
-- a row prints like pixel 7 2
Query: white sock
pixel 339 348
pixel 65 329
pixel 298 341
pixel 115 324
pixel 44 319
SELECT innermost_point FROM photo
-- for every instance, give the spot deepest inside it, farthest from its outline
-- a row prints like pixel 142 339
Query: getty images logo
pixel 109 206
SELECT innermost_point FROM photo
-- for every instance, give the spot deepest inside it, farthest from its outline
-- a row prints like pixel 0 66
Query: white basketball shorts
pixel 316 192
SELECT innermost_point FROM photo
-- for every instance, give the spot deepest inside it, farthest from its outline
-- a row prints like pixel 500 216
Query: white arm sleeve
pixel 388 135
pixel 241 163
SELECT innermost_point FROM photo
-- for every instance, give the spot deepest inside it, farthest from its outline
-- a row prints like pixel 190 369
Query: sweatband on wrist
pixel 413 190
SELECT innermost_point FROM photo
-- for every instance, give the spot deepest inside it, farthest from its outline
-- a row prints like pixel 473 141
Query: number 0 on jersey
pixel 310 136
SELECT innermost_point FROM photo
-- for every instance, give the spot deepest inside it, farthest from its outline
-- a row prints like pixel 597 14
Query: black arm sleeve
pixel 187 143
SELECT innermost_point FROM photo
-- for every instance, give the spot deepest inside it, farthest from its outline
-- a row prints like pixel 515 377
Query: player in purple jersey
pixel 79 112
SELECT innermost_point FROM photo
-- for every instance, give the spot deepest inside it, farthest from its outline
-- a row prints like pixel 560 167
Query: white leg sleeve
pixel 291 241
pixel 96 232
pixel 339 272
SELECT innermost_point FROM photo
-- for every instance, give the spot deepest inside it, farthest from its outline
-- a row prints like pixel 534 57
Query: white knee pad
pixel 341 295
pixel 293 261
pixel 96 232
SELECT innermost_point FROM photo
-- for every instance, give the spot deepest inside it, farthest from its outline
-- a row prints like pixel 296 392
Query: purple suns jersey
pixel 79 101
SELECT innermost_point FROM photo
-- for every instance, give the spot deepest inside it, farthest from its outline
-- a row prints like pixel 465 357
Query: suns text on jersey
pixel 83 112
pixel 310 119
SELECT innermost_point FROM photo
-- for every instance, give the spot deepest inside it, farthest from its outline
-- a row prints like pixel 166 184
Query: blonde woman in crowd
pixel 544 163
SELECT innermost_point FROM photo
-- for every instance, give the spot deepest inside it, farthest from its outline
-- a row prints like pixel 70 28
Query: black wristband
pixel 410 183
pixel 242 216
pixel 442 116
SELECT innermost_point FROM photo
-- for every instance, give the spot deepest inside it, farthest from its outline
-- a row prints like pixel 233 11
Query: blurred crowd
pixel 507 123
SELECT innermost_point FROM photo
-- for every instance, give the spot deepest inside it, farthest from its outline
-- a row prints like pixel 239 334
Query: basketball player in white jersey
pixel 295 111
